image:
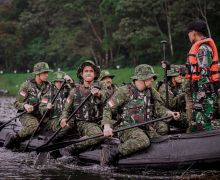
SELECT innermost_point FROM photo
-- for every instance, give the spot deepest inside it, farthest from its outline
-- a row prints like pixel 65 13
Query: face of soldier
pixel 149 82
pixel 88 74
pixel 43 76
pixel 107 81
pixel 140 85
pixel 58 84
pixel 178 79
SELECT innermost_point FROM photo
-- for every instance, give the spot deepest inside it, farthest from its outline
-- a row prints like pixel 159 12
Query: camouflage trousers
pixel 29 124
pixel 137 139
pixel 133 140
pixel 52 124
pixel 87 129
pixel 157 129
pixel 203 110
pixel 83 129
pixel 182 123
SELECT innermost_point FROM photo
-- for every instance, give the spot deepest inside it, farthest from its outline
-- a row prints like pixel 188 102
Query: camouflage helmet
pixel 88 63
pixel 59 76
pixel 144 72
pixel 173 71
pixel 41 67
pixel 105 73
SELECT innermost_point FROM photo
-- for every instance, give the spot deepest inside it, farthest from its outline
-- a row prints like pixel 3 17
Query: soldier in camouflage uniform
pixel 176 95
pixel 52 120
pixel 107 78
pixel 139 102
pixel 87 119
pixel 202 75
pixel 28 98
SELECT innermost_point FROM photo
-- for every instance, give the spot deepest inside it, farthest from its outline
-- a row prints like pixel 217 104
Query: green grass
pixel 12 82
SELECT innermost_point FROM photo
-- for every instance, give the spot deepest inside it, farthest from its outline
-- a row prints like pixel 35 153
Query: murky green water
pixel 14 165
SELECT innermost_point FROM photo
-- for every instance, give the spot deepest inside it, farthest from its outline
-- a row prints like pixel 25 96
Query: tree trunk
pixel 202 9
pixel 169 27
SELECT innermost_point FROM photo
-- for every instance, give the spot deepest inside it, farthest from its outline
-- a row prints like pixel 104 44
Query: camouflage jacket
pixel 58 105
pixel 135 106
pixel 31 93
pixel 91 110
pixel 204 59
pixel 176 96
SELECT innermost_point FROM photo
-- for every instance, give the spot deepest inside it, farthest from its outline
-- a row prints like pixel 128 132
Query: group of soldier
pixel 108 107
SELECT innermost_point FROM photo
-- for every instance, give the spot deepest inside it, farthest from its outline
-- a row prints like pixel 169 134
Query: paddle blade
pixel 41 159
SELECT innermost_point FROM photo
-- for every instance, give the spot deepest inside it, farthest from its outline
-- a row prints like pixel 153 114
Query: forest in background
pixel 111 32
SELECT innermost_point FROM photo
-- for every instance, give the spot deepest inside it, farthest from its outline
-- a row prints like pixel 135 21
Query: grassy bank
pixel 12 82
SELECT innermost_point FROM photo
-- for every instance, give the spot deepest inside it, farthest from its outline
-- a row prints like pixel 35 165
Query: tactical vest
pixel 139 107
pixel 192 61
pixel 34 94
pixel 91 110
pixel 59 102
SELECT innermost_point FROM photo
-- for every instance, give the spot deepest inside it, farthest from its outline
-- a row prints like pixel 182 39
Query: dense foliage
pixel 111 32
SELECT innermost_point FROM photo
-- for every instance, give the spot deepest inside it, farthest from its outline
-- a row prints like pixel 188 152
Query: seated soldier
pixel 107 78
pixel 139 102
pixel 57 107
pixel 28 99
pixel 176 96
pixel 87 119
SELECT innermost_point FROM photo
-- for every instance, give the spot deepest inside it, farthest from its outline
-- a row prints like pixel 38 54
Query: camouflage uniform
pixel 137 107
pixel 52 122
pixel 111 89
pixel 200 96
pixel 87 119
pixel 176 97
pixel 31 93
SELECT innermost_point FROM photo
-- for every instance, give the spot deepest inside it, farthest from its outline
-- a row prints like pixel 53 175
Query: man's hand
pixel 28 107
pixel 108 131
pixel 176 115
pixel 96 92
pixel 49 106
pixel 63 123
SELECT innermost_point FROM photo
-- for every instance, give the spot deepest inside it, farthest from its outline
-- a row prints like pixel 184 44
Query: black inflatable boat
pixel 167 151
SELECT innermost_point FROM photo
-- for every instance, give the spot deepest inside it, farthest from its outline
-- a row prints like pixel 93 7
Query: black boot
pixel 11 140
pixel 109 155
